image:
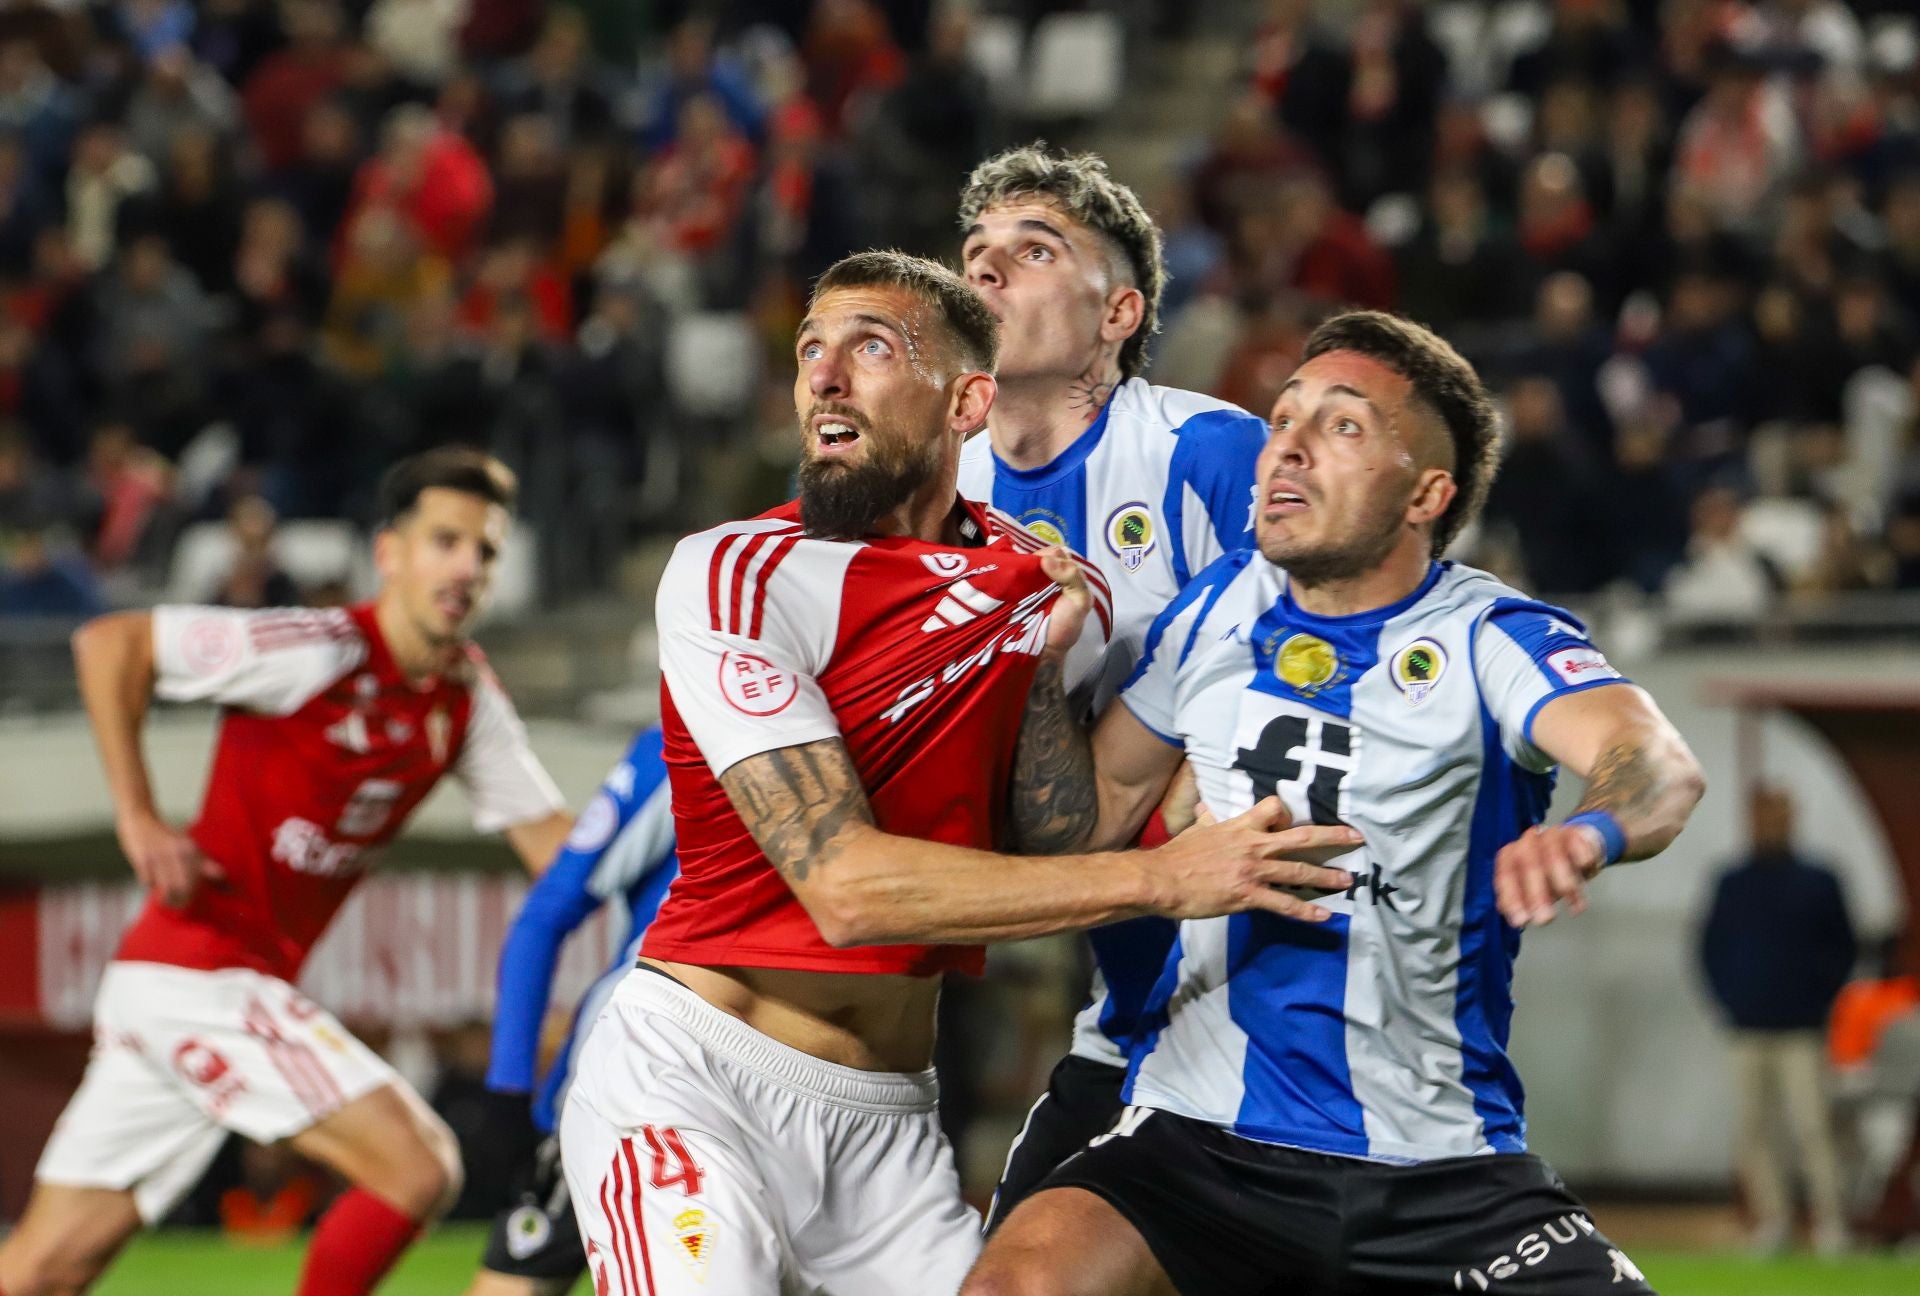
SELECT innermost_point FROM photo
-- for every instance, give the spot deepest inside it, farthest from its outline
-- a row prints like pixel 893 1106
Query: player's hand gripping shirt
pixel 1381 1033
pixel 324 748
pixel 1157 488
pixel 919 656
pixel 620 851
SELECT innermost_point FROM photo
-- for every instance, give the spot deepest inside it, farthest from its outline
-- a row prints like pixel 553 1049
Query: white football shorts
pixel 704 1157
pixel 180 1057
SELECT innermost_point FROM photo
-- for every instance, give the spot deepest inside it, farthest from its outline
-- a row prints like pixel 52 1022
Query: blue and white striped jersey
pixel 1159 486
pixel 1381 1033
pixel 620 851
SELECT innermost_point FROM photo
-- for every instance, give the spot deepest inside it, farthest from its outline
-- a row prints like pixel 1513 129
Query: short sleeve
pixel 1209 504
pixel 1152 691
pixel 740 662
pixel 273 661
pixel 1525 655
pixel 505 781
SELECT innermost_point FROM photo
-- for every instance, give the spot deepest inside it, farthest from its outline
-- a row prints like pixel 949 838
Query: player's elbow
pixel 845 915
pixel 110 637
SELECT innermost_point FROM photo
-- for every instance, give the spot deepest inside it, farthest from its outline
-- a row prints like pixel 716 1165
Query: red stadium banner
pixel 412 951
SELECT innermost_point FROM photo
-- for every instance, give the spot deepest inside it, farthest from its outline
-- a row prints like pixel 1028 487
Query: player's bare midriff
pixel 872 1023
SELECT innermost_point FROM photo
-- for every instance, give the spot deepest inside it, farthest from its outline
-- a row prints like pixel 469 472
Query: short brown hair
pixel 1444 382
pixel 1080 185
pixel 970 327
pixel 454 467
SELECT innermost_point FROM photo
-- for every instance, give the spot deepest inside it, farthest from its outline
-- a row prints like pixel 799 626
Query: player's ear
pixel 970 402
pixel 1126 309
pixel 386 551
pixel 1433 493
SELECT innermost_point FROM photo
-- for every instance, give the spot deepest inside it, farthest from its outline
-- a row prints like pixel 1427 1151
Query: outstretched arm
pixel 1642 784
pixel 807 811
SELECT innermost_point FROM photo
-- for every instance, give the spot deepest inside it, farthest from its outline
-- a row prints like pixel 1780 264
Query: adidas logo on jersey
pixel 960 604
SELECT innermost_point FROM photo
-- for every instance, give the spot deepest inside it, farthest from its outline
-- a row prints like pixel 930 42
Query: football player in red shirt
pixel 334 725
pixel 845 684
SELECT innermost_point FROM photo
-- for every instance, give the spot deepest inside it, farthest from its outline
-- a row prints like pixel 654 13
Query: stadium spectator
pixel 431 177
pixel 691 68
pixel 104 174
pixel 558 80
pixel 177 93
pixel 1726 581
pixel 40 577
pixel 1461 268
pixel 38 107
pixel 1777 946
pixel 255 578
pixel 1548 491
pixel 286 85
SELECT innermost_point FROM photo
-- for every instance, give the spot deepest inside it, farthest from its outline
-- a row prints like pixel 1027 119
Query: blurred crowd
pixel 1682 237
pixel 251 250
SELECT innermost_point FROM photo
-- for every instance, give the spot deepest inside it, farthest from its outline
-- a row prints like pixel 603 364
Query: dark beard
pixel 845 501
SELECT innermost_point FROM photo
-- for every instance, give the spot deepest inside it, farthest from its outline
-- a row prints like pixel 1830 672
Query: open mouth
pixel 1284 500
pixel 832 437
pixel 454 607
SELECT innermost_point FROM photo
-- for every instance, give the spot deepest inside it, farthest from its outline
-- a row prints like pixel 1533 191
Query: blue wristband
pixel 1611 833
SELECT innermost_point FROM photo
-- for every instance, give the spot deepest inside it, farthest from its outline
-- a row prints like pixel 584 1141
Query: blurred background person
pixel 1777 946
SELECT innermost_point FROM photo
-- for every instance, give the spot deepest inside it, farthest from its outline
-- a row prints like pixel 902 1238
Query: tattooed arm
pixel 807 811
pixel 1070 791
pixel 1638 770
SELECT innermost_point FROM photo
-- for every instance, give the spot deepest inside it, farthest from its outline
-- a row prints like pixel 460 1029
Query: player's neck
pixel 933 514
pixel 1381 586
pixel 1035 419
pixel 417 656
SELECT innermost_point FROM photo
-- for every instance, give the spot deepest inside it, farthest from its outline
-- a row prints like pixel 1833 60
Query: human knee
pixel 417 1169
pixel 442 1174
pixel 1016 1273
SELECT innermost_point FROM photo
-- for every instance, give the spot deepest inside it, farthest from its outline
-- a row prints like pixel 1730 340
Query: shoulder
pixel 1240 571
pixel 214 637
pixel 1194 419
pixel 709 568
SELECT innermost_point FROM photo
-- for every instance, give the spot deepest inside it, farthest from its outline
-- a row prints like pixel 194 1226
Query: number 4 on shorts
pixel 666 1145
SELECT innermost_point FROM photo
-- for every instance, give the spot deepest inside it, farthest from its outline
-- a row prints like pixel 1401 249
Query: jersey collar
pixel 1063 464
pixel 1372 616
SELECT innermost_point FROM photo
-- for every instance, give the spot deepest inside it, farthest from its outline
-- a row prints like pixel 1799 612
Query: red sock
pixel 354 1245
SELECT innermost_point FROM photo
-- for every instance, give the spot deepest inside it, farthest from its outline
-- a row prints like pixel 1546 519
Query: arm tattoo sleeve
pixel 1627 782
pixel 798 802
pixel 1055 800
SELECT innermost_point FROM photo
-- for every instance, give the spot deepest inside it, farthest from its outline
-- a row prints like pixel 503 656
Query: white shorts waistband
pixel 902 1092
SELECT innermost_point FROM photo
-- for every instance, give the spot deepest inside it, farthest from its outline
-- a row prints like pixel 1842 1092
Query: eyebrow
pixel 1339 388
pixel 1027 223
pixel 811 325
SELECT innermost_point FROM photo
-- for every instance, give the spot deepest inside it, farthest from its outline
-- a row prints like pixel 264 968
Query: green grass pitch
pixel 198 1264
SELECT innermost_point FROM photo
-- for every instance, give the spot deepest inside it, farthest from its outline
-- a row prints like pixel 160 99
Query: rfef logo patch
pixel 754 685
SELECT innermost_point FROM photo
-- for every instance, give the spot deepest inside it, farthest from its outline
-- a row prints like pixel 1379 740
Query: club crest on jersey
pixel 1130 534
pixel 1417 668
pixel 695 1236
pixel 1307 662
pixel 1048 526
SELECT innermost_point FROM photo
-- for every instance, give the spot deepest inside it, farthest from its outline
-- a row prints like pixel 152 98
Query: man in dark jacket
pixel 1777 947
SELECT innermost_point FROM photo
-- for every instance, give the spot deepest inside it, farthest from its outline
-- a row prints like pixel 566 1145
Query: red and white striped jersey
pixel 919 656
pixel 325 748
